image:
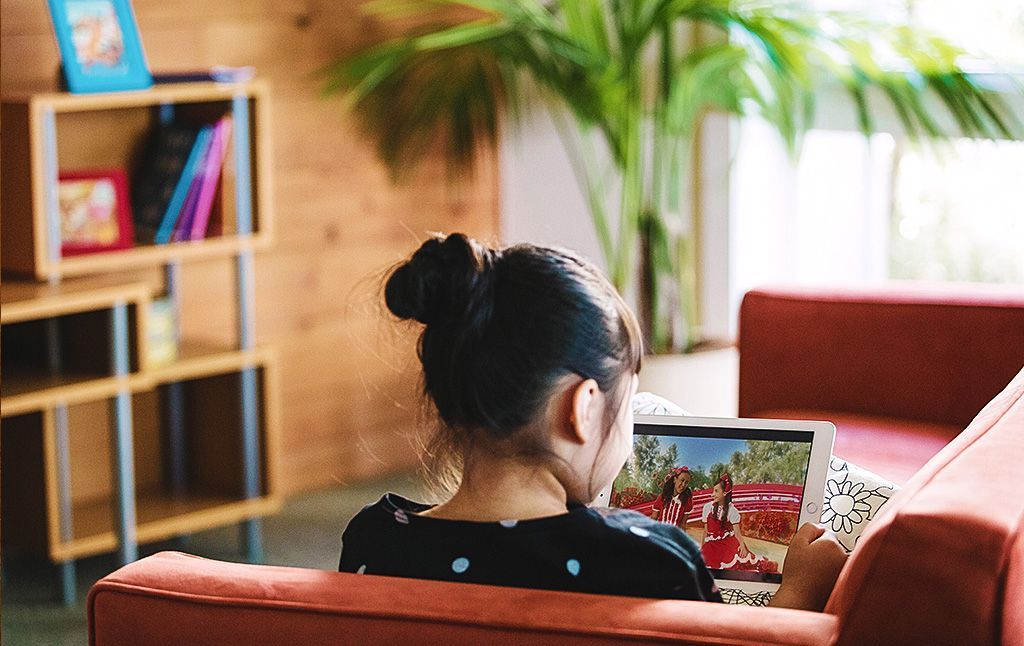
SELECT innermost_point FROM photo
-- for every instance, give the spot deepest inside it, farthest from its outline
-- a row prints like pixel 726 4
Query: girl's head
pixel 721 494
pixel 676 482
pixel 682 480
pixel 527 351
pixel 717 493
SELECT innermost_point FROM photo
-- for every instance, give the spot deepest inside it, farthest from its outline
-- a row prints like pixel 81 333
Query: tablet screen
pixel 737 492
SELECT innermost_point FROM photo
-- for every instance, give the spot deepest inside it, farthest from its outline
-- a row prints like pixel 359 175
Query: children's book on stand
pixel 177 189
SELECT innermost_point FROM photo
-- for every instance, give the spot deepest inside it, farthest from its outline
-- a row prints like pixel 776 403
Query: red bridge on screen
pixel 746 498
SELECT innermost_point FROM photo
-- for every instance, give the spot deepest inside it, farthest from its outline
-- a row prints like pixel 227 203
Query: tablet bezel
pixel 817 466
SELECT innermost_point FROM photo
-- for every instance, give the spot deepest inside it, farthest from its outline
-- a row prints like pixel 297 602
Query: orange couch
pixel 899 370
pixel 942 563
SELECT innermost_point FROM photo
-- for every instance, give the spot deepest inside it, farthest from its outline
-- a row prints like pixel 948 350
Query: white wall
pixel 542 203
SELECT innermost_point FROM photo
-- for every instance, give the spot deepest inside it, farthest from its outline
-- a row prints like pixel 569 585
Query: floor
pixel 307 533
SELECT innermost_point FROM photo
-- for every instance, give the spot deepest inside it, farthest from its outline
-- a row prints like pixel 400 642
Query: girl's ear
pixel 587 411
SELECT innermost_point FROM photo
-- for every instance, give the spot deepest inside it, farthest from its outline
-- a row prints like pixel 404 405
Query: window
pixel 857 210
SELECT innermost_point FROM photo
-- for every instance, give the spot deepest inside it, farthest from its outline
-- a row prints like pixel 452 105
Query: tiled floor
pixel 307 533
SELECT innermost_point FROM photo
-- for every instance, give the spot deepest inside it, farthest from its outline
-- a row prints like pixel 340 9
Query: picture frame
pixel 99 45
pixel 95 211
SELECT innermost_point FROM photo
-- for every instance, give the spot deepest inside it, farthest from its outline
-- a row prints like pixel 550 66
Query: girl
pixel 530 359
pixel 675 501
pixel 723 547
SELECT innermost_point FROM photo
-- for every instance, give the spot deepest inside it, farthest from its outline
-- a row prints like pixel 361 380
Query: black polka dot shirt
pixel 606 551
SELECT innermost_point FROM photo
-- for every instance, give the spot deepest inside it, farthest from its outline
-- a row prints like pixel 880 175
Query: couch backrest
pixel 173 598
pixel 931 354
pixel 943 562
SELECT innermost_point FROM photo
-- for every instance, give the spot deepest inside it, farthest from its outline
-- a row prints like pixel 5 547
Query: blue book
pixel 183 226
pixel 174 207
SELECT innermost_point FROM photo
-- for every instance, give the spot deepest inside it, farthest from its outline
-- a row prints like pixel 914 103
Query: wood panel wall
pixel 349 375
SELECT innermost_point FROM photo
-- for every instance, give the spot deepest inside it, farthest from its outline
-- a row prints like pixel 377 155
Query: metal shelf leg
pixel 122 449
pixel 68 586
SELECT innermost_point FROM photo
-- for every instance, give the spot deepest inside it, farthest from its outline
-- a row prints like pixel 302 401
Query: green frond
pixel 615 68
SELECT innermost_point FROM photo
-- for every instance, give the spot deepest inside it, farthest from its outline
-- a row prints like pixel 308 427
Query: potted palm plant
pixel 631 84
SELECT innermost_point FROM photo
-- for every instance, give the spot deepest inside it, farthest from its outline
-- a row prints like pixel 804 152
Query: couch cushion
pixel 893 448
pixel 933 566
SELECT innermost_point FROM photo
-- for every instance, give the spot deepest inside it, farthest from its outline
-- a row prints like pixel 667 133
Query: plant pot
pixel 704 382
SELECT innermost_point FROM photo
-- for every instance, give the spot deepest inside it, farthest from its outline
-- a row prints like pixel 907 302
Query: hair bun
pixel 441 280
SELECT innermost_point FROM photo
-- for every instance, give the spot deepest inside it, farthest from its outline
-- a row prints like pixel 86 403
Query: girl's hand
pixel 743 550
pixel 810 570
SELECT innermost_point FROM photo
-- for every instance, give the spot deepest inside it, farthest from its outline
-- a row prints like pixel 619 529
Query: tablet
pixel 739 487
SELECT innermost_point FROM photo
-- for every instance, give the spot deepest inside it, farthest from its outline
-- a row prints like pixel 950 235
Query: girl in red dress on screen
pixel 675 501
pixel 723 547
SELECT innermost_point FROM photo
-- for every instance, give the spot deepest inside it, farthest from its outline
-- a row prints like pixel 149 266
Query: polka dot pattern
pixel 566 551
pixel 573 566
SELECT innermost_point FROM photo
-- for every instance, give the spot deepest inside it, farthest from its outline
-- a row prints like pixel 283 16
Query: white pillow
pixel 853 497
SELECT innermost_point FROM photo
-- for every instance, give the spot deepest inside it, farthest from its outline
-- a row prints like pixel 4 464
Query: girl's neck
pixel 495 489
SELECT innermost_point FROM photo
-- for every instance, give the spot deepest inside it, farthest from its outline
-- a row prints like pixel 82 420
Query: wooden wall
pixel 348 375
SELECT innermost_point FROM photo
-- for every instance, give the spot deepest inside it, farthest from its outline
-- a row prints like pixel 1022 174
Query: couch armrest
pixel 927 353
pixel 175 598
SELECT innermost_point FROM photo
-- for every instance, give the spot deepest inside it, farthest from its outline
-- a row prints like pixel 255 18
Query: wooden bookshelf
pixel 26 393
pixel 103 448
pixel 160 516
pixel 202 92
pixel 24 300
pixel 160 513
pixel 34 388
pixel 50 132
pixel 199 359
pixel 150 255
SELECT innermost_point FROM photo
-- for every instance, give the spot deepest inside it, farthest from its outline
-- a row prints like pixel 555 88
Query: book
pixel 222 219
pixel 177 201
pixel 213 172
pixel 166 157
pixel 162 332
pixel 217 73
pixel 181 227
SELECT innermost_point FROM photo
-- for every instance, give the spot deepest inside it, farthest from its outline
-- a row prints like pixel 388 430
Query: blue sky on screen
pixel 702 451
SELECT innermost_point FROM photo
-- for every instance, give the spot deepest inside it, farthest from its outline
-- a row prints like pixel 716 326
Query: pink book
pixel 212 170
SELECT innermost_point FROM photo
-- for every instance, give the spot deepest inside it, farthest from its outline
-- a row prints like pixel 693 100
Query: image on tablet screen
pixel 737 496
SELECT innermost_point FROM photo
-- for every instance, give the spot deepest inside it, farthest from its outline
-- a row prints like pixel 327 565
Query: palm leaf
pixel 450 86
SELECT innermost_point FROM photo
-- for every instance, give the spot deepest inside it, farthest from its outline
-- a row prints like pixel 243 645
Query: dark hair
pixel 722 513
pixel 668 490
pixel 502 326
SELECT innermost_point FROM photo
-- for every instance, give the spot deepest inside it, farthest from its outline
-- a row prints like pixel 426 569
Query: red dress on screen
pixel 677 511
pixel 721 548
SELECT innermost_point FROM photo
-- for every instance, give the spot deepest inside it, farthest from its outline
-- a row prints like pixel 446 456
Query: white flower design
pixel 845 505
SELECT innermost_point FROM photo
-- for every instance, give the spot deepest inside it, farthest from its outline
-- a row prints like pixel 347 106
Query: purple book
pixel 183 227
pixel 211 177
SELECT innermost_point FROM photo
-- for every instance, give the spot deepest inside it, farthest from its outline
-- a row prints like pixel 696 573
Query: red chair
pixel 900 370
pixel 942 563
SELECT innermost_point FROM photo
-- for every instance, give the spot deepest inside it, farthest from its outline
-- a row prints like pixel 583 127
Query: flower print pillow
pixel 853 495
